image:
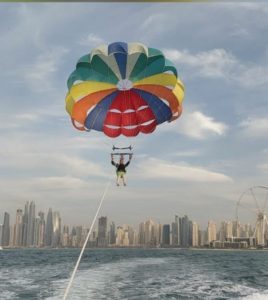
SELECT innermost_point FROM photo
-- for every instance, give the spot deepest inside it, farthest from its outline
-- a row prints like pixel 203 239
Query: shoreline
pixel 136 248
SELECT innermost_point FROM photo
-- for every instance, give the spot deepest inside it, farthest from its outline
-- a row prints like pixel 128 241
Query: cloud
pixel 219 63
pixel 78 166
pixel 154 19
pixel 91 40
pixel 255 127
pixel 19 120
pixel 40 74
pixel 190 153
pixel 155 168
pixel 263 167
pixel 46 157
pixel 32 117
pixel 27 117
pixel 246 6
pixel 197 125
pixel 57 183
pixel 213 63
pixel 240 32
pixel 152 25
pixel 88 143
pixel 69 192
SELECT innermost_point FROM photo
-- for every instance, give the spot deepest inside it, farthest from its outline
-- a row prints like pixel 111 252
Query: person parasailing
pixel 121 168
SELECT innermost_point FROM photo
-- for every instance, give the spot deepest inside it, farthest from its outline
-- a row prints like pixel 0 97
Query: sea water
pixel 134 274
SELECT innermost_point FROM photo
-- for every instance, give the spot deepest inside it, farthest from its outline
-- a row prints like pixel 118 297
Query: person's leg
pixel 117 179
pixel 123 179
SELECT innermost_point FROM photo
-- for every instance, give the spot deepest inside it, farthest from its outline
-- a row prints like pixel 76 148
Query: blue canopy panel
pixel 119 50
pixel 117 47
pixel 161 110
pixel 121 60
pixel 96 117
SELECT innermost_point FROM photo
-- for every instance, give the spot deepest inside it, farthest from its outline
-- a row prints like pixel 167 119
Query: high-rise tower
pixel 30 225
pixel 102 232
pixel 212 231
pixel 25 224
pixel 18 228
pixel 6 230
pixel 49 228
pixel 56 229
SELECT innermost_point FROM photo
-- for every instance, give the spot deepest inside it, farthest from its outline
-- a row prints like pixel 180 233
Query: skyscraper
pixel 6 230
pixel 30 225
pixel 85 232
pixel 229 230
pixel 195 234
pixel 102 232
pixel 126 238
pixel 141 234
pixel 56 229
pixel 212 231
pixel 93 239
pixel 236 229
pixel 203 237
pixel 166 235
pixel 78 233
pixel 36 231
pixel 156 234
pixel 1 234
pixel 18 228
pixel 119 236
pixel 175 232
pixel 49 228
pixel 65 236
pixel 190 233
pixel 148 232
pixel 42 229
pixel 226 231
pixel 184 231
pixel 11 236
pixel 112 234
pixel 133 237
pixel 39 230
pixel 73 238
pixel 25 224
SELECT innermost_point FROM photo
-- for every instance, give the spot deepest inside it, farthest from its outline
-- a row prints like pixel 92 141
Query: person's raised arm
pixel 130 157
pixel 112 160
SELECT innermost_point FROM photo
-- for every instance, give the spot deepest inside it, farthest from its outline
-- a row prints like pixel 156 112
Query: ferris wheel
pixel 251 215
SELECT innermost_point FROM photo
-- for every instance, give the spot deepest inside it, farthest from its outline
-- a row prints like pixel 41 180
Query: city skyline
pixel 199 164
pixel 14 216
pixel 32 229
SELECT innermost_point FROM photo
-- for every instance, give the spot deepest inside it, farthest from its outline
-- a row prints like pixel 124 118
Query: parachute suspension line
pixel 86 241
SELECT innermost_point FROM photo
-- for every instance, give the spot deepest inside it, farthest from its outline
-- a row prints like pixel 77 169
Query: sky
pixel 198 165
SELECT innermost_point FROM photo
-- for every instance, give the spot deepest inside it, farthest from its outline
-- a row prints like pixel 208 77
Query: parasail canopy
pixel 123 88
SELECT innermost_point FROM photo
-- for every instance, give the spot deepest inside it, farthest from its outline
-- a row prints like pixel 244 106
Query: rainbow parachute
pixel 123 89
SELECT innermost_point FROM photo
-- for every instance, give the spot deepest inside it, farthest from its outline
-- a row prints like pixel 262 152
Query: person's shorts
pixel 120 173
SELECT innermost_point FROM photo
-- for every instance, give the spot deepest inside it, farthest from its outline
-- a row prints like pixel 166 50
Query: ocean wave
pixel 257 296
pixel 135 274
pixel 151 278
